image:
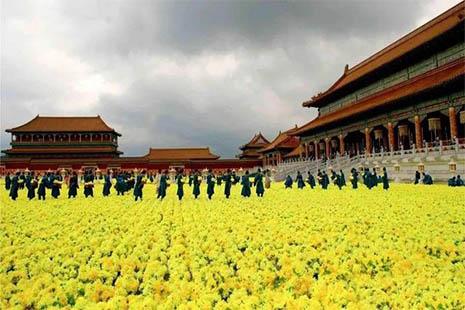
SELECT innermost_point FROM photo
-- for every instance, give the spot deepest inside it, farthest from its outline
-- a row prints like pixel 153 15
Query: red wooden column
pixel 453 123
pixel 391 136
pixel 327 148
pixel 341 145
pixel 367 141
pixel 317 151
pixel 418 133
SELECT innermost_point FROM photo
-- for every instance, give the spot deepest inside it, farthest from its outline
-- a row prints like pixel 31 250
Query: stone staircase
pixel 441 162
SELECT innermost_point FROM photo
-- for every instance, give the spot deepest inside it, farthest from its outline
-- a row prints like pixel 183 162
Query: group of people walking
pixel 124 182
pixel 370 179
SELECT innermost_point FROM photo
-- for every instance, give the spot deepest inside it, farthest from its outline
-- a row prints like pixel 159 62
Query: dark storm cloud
pixel 188 73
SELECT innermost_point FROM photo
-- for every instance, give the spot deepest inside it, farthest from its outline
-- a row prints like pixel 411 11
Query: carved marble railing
pixel 430 152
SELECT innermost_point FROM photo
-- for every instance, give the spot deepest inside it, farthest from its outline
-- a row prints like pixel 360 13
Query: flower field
pixel 293 249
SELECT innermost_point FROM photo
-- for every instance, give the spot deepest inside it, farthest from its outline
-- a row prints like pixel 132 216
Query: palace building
pixel 250 150
pixel 284 143
pixel 410 95
pixel 71 142
pixel 63 137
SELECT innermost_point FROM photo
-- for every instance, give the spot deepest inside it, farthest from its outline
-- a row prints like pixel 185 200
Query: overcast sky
pixel 188 73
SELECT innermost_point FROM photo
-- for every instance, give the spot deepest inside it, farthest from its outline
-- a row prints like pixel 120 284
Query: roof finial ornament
pixel 346 68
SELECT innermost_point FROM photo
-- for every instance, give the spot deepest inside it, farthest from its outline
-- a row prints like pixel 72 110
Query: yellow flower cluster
pixel 294 249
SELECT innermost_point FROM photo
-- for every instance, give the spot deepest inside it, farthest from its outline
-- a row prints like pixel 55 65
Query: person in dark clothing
pixel 197 179
pixel 333 177
pixel 228 179
pixel 385 179
pixel 31 185
pixel 89 184
pixel 427 179
pixel 57 181
pixel 41 191
pixel 14 186
pixel 343 178
pixel 138 186
pixel 219 179
pixel 459 181
pixel 288 182
pixel 120 185
pixel 451 182
pixel 8 181
pixel 319 177
pixel 417 177
pixel 180 183
pixel 311 180
pixel 354 178
pixel 258 183
pixel 374 178
pixel 22 180
pixel 107 184
pixel 245 192
pixel 163 185
pixel 73 186
pixel 210 184
pixel 300 180
pixel 338 181
pixel 368 180
pixel 325 180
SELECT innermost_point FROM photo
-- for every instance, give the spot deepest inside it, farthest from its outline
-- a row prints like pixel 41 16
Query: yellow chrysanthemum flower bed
pixel 361 249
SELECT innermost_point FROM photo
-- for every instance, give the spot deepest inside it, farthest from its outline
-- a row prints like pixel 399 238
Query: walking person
pixel 245 192
pixel 196 180
pixel 138 186
pixel 163 185
pixel 180 184
pixel 258 183
pixel 14 186
pixel 227 178
pixel 107 184
pixel 300 180
pixel 73 185
pixel 385 179
pixel 41 191
pixel 89 184
pixel 210 184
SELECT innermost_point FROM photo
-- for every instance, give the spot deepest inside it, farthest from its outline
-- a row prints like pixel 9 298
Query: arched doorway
pixel 435 128
pixel 404 134
pixel 311 150
pixel 321 149
pixel 354 143
pixel 334 146
pixel 379 138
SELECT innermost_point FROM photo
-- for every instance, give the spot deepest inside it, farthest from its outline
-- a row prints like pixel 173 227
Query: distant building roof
pixel 64 124
pixel 284 140
pixel 428 80
pixel 407 43
pixel 257 141
pixel 195 153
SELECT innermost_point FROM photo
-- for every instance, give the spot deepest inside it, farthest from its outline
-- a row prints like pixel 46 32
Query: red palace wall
pixel 125 163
